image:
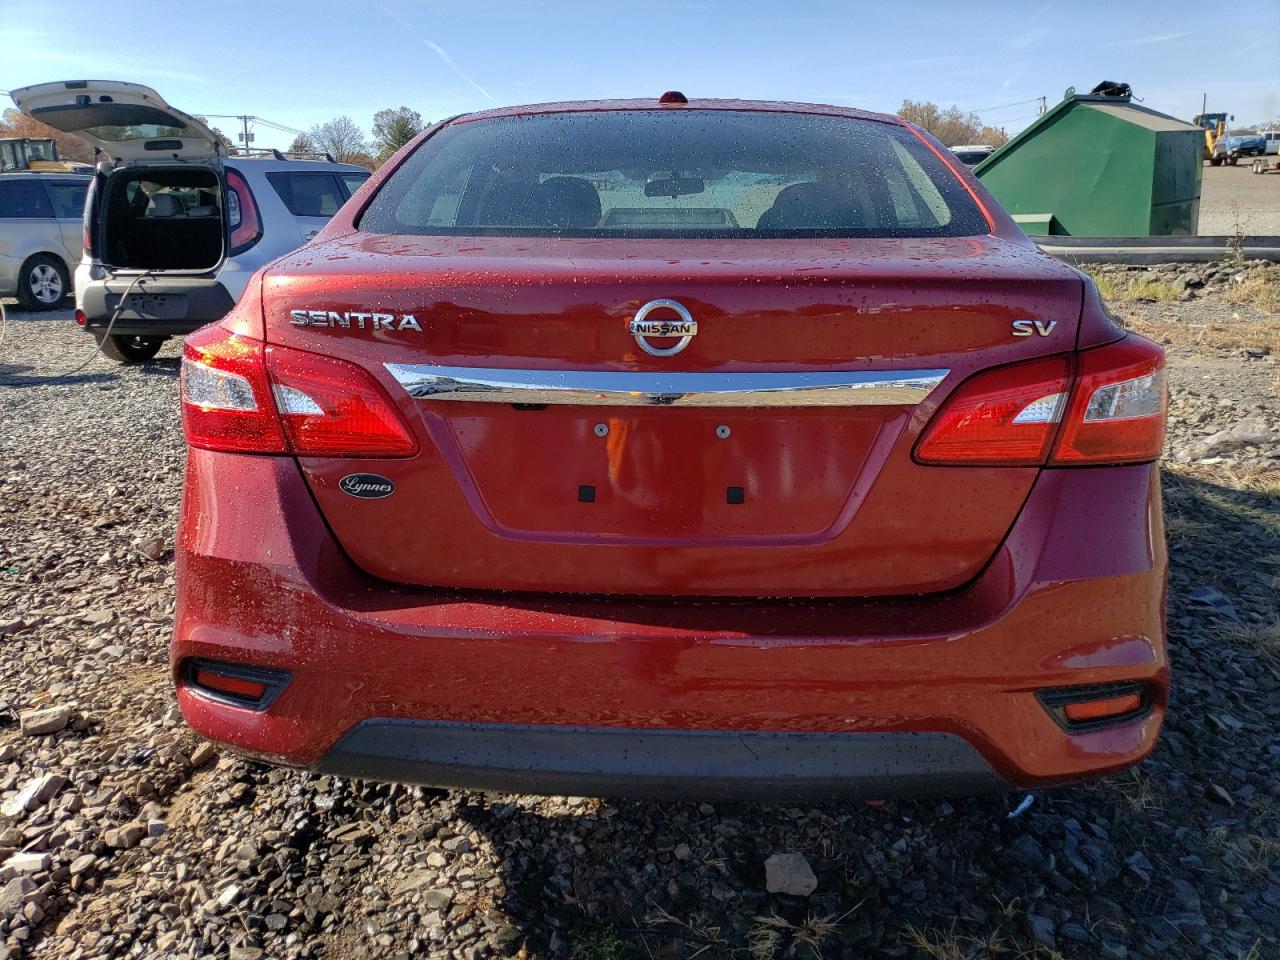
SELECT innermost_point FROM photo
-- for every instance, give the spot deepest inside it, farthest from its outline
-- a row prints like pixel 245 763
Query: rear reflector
pixel 240 395
pixel 234 686
pixel 1111 411
pixel 234 683
pixel 1098 709
pixel 1080 709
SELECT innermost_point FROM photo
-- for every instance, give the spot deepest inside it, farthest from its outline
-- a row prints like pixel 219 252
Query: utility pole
pixel 1042 106
pixel 1204 103
pixel 246 137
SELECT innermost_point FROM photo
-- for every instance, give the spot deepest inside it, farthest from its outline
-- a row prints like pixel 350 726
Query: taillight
pixel 242 214
pixel 226 399
pixel 1006 416
pixel 1118 407
pixel 86 219
pixel 241 395
pixel 331 408
pixel 1111 410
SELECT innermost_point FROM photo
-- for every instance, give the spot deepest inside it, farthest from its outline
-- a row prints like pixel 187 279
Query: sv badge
pixel 1025 328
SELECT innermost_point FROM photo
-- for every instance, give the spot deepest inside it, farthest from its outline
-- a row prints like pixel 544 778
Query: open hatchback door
pixel 126 121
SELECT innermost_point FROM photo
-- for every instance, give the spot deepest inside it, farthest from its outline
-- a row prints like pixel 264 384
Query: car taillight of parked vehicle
pixel 239 394
pixel 1107 405
pixel 242 214
pixel 86 219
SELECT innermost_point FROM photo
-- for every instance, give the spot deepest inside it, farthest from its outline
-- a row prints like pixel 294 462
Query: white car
pixel 171 221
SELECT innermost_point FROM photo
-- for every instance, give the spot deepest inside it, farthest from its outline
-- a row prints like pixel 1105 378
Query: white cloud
pixel 1149 40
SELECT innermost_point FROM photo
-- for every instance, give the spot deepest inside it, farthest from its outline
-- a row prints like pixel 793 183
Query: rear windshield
pixel 684 173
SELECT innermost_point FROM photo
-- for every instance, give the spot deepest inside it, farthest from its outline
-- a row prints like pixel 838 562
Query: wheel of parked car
pixel 130 349
pixel 43 283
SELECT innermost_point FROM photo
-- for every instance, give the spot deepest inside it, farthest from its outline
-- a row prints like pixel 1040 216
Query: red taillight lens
pixel 1118 407
pixel 86 218
pixel 1007 416
pixel 240 395
pixel 1112 411
pixel 331 408
pixel 242 214
pixel 226 399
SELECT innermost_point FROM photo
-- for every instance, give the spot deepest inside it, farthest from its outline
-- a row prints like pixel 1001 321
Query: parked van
pixel 39 236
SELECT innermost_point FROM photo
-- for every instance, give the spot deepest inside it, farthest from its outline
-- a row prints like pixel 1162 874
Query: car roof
pixel 759 106
pixel 271 165
pixel 58 174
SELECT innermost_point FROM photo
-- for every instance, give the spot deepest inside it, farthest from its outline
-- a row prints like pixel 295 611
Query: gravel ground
pixel 122 835
pixel 1235 195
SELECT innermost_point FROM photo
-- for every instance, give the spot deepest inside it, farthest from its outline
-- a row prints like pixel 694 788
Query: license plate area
pixel 668 475
pixel 151 306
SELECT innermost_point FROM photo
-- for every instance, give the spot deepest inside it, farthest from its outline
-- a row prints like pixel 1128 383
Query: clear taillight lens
pixel 1118 407
pixel 226 400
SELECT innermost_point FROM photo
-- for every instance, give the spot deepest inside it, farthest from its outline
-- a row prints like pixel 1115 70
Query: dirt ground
pixel 1231 195
pixel 147 845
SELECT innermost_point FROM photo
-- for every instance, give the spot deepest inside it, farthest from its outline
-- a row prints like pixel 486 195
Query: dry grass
pixel 1259 291
pixel 1260 288
pixel 1262 638
pixel 775 936
pixel 948 945
pixel 1123 288
pixel 1256 332
pixel 1138 791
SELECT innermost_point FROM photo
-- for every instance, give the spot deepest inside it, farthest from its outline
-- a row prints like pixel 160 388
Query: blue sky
pixel 299 62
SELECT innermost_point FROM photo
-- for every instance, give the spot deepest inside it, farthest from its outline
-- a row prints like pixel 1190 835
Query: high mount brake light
pixel 241 395
pixel 1111 411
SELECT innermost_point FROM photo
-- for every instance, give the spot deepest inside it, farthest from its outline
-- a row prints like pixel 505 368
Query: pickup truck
pixel 1232 148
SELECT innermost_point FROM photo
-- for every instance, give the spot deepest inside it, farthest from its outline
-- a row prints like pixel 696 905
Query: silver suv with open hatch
pixel 173 224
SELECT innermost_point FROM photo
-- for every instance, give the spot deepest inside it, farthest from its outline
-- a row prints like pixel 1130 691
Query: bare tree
pixel 341 139
pixel 952 126
pixel 392 129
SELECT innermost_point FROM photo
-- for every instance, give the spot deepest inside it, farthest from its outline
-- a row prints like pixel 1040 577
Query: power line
pixel 247 119
pixel 1003 106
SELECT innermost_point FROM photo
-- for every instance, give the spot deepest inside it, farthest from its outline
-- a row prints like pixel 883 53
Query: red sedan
pixel 674 448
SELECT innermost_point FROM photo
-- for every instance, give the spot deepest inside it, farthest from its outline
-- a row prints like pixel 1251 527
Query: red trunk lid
pixel 672 497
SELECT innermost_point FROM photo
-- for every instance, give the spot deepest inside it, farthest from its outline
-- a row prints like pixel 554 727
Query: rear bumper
pixel 662 764
pixel 157 306
pixel 646 696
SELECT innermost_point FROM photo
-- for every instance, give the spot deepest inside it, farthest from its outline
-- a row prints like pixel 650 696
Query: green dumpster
pixel 1100 166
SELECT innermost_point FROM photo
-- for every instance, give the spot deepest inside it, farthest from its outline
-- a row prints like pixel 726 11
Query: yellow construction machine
pixel 31 153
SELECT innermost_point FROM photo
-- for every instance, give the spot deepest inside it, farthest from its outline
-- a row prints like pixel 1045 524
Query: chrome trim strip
pixel 612 388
